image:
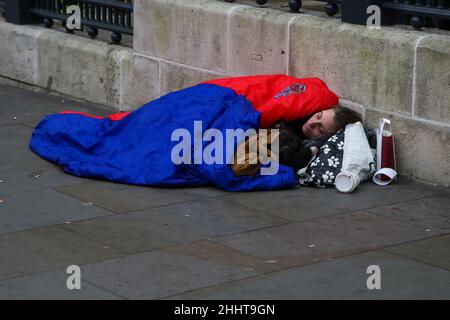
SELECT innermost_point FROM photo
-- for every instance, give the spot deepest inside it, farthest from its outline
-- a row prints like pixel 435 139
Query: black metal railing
pixel 2 7
pixel 111 15
pixel 418 13
pixel 331 7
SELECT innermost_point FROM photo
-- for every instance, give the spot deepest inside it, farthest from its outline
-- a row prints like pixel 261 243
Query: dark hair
pixel 344 116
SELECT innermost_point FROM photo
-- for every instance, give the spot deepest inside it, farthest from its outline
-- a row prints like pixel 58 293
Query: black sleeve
pixel 299 159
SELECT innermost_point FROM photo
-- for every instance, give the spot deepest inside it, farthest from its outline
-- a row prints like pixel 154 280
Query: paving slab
pixel 172 225
pixel 15 135
pixel 34 178
pixel 158 274
pixel 434 251
pixel 17 101
pixel 34 251
pixel 8 169
pixel 24 157
pixel 211 251
pixel 431 213
pixel 345 278
pixel 50 286
pixel 25 107
pixel 134 198
pixel 29 119
pixel 303 203
pixel 42 208
pixel 324 238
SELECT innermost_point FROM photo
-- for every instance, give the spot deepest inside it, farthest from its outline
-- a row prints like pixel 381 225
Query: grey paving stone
pixel 50 286
pixel 324 238
pixel 207 192
pixel 24 107
pixel 133 198
pixel 14 136
pixel 34 178
pixel 171 225
pixel 431 213
pixel 29 252
pixel 29 119
pixel 304 203
pixel 24 157
pixel 8 169
pixel 41 208
pixel 215 252
pixel 33 118
pixel 434 251
pixel 345 278
pixel 18 101
pixel 158 274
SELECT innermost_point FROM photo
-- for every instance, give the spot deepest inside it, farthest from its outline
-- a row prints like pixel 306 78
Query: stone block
pixel 429 213
pixel 324 238
pixel 373 68
pixel 157 274
pixel 172 225
pixel 433 79
pixel 52 248
pixel 35 177
pixel 175 77
pixel 19 56
pixel 81 68
pixel 14 136
pixel 24 157
pixel 258 41
pixel 140 81
pixel 41 208
pixel 165 29
pixel 344 278
pixel 432 251
pixel 50 286
pixel 21 106
pixel 120 198
pixel 305 203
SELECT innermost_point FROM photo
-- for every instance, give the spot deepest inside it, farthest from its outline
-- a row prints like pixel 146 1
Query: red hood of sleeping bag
pixel 281 96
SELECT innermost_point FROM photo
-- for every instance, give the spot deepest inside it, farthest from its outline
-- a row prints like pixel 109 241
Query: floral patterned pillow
pixel 322 171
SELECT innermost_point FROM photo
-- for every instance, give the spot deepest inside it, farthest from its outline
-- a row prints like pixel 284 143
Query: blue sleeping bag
pixel 137 149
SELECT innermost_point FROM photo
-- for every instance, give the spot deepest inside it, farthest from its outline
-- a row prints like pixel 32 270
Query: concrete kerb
pixel 63 63
pixel 18 52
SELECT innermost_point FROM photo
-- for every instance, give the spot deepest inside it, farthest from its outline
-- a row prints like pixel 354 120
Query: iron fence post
pixel 355 11
pixel 17 11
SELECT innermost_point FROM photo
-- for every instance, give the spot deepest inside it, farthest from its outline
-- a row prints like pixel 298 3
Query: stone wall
pixel 394 72
pixel 62 63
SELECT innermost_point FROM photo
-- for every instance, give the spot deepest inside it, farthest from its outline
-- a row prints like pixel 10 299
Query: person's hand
pixel 314 150
pixel 318 143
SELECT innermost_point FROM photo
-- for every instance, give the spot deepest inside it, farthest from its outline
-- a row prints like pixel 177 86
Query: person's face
pixel 320 124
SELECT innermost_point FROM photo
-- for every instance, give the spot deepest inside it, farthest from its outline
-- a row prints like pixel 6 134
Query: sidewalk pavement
pixel 203 243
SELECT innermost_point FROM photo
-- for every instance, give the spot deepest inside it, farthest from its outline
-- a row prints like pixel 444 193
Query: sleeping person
pixel 137 147
pixel 300 140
